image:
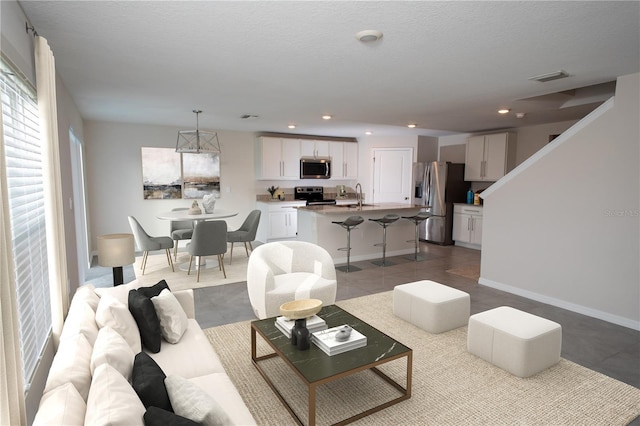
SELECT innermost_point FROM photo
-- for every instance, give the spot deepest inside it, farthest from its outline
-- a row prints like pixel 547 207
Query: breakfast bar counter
pixel 315 226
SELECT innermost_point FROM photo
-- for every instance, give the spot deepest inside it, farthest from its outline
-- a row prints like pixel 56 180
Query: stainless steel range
pixel 313 195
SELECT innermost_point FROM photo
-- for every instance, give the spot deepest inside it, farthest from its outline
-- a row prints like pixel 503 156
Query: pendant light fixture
pixel 198 141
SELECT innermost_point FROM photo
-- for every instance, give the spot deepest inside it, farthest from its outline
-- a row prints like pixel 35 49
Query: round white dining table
pixel 184 215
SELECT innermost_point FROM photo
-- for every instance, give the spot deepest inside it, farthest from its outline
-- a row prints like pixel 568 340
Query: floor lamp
pixel 116 250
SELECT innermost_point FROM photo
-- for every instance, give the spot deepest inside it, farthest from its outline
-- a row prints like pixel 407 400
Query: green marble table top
pixel 314 365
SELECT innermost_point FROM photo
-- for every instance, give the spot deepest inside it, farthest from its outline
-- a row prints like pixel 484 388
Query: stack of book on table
pixel 314 323
pixel 326 341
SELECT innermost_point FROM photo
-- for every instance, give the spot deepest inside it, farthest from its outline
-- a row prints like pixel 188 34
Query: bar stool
pixel 349 223
pixel 417 220
pixel 384 221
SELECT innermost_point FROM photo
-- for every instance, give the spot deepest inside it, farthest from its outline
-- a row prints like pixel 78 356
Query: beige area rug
pixel 450 386
pixel 471 271
pixel 158 269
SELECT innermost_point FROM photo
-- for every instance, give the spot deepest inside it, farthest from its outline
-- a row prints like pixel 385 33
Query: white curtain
pixel 12 407
pixel 54 205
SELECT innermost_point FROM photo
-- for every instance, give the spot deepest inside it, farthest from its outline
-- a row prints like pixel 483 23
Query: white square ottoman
pixel 518 342
pixel 431 306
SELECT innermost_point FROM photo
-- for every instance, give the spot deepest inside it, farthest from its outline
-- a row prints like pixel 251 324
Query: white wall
pixel 114 168
pixel 531 139
pixel 564 226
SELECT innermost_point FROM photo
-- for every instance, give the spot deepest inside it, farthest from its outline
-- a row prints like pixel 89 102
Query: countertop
pixel 353 208
pixel 467 205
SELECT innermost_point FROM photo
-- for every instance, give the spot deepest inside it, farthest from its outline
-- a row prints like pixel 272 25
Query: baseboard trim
pixel 595 313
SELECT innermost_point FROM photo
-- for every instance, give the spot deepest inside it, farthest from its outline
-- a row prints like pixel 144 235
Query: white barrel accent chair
pixel 283 271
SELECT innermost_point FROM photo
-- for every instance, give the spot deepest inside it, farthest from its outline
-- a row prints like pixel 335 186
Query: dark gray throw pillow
pixel 144 313
pixel 158 417
pixel 147 379
pixel 155 289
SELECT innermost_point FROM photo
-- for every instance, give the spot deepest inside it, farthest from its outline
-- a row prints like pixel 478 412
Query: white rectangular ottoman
pixel 518 342
pixel 431 306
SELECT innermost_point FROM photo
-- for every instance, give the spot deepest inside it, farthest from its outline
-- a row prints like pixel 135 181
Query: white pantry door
pixel 392 168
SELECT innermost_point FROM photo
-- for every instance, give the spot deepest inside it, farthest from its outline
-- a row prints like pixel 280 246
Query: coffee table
pixel 316 368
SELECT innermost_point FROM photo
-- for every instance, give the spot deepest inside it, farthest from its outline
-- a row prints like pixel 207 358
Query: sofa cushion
pixel 81 319
pixel 111 348
pixel 116 315
pixel 119 292
pixel 87 293
pixel 173 319
pixel 112 400
pixel 158 417
pixel 190 401
pixel 148 382
pixel 71 364
pixel 196 355
pixel 61 406
pixel 220 387
pixel 147 320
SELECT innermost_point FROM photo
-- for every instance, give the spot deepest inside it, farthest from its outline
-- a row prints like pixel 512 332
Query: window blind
pixel 24 172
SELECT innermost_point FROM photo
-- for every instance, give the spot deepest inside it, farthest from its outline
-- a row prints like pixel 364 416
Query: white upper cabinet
pixel 489 157
pixel 314 148
pixel 344 160
pixel 278 158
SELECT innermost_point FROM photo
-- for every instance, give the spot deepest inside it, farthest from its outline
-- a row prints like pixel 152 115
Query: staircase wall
pixel 563 227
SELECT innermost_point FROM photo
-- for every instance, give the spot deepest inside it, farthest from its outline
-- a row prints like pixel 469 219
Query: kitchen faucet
pixel 359 195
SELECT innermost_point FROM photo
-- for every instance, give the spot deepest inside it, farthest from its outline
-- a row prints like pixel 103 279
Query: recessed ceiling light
pixel 326 117
pixel 368 36
pixel 368 132
pixel 503 111
pixel 411 126
pixel 291 126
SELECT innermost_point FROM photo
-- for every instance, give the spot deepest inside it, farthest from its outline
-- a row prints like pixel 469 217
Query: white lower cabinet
pixel 279 220
pixel 467 225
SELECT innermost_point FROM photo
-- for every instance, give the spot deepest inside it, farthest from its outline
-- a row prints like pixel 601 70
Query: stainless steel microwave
pixel 315 168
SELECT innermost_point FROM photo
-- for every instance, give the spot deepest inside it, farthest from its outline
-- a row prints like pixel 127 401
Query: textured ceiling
pixel 447 66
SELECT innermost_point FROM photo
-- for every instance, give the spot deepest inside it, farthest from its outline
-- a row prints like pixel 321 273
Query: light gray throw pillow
pixel 190 401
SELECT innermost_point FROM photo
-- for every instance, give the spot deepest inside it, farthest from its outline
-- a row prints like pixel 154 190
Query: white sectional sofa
pixel 102 372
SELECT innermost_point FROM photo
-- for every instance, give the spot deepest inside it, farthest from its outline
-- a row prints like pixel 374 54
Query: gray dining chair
pixel 180 230
pixel 245 234
pixel 147 243
pixel 209 238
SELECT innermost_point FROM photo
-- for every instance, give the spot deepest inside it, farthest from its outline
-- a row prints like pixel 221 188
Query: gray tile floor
pixel 604 347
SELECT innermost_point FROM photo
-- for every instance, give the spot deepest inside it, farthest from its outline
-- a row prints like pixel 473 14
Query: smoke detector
pixel 520 114
pixel 368 36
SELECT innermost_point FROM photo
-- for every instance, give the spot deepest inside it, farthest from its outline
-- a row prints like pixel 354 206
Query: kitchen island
pixel 315 226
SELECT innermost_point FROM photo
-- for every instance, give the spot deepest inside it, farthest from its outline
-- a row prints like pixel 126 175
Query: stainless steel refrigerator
pixel 443 185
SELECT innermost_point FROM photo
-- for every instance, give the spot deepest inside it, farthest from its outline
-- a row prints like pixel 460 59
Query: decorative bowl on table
pixel 302 308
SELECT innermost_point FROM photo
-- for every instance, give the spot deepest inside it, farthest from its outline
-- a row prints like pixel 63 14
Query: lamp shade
pixel 116 250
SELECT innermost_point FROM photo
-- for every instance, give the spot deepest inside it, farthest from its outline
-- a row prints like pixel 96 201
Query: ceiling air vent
pixel 249 116
pixel 550 76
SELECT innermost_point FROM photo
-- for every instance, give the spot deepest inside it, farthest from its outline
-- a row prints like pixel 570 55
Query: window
pixel 24 170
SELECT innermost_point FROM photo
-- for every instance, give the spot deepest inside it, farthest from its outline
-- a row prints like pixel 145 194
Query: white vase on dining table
pixel 209 202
